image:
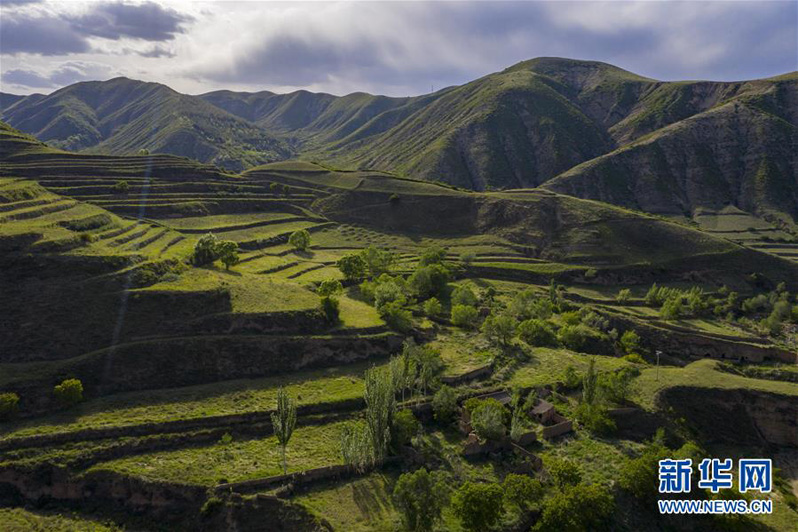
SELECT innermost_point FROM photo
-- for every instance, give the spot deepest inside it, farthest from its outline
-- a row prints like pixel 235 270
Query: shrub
pixel 464 316
pixel 576 509
pixel 432 255
pixel 444 404
pixel 582 338
pixel 394 198
pixel 396 316
pixel 405 426
pixel 330 287
pixel 388 291
pixel 122 187
pixel 69 392
pixel 499 328
pixel 624 295
pixel 521 490
pixel 352 266
pixel 433 307
pixel 630 342
pixel 487 419
pixel 635 358
pixel 478 506
pixel 563 473
pixel 377 261
pixel 571 379
pixel 464 295
pixel 591 273
pixel 537 332
pixel 467 259
pixel 9 405
pixel 616 385
pixel 595 418
pixel 420 497
pixel 639 475
pixel 300 240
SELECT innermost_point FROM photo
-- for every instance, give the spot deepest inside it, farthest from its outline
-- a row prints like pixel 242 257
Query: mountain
pixel 123 116
pixel 582 127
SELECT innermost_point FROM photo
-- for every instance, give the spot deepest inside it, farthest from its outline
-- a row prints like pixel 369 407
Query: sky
pixel 393 48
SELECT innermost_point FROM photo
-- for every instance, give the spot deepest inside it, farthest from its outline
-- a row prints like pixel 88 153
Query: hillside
pixel 122 116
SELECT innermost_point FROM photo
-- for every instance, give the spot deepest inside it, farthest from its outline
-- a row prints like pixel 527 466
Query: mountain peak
pixel 575 72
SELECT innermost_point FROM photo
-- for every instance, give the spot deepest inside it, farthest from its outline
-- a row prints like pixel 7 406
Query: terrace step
pixel 19 205
pixel 38 212
pixel 149 240
pixel 129 237
pixel 307 270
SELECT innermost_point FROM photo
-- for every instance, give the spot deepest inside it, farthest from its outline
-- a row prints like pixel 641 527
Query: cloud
pixel 147 21
pixel 48 33
pixel 66 74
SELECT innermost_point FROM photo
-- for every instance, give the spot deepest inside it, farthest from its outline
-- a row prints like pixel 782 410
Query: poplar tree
pixel 284 421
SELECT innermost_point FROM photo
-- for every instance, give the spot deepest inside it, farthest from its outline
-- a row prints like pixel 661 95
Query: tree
pixel 590 384
pixel 420 497
pixel 429 366
pixel 330 287
pixel 388 291
pixel 205 250
pixel 576 509
pixel 284 421
pixel 616 385
pixel 432 255
pixel 563 473
pixel 377 261
pixel 630 342
pixel 330 307
pixel 467 259
pixel 499 328
pixel 352 266
pixel 227 251
pixel 405 426
pixel 624 295
pixel 396 316
pixel 300 240
pixel 478 506
pixel 536 332
pixel 521 490
pixel 464 295
pixel 356 446
pixel 69 392
pixel 122 187
pixel 464 316
pixel 444 404
pixel 429 281
pixel 9 405
pixel 487 419
pixel 380 408
pixel 433 307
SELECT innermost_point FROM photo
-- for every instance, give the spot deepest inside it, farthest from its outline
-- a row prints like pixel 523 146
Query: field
pixel 181 363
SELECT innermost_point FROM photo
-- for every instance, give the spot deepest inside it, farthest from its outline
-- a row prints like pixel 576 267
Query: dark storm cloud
pixel 148 21
pixel 664 40
pixel 64 35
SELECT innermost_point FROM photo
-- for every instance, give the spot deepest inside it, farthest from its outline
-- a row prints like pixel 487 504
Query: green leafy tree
pixel 432 255
pixel 577 509
pixel 616 385
pixel 536 332
pixel 329 287
pixel 9 405
pixel 331 308
pixel 396 316
pixel 429 366
pixel 206 250
pixel 624 295
pixel 590 384
pixel 488 422
pixel 405 426
pixel 227 251
pixel 380 409
pixel 521 490
pixel 464 295
pixel 378 261
pixel 464 316
pixel 499 328
pixel 478 506
pixel 563 472
pixel 284 421
pixel 428 281
pixel 444 404
pixel 300 240
pixel 352 266
pixel 356 446
pixel 433 307
pixel 630 342
pixel 69 392
pixel 420 497
pixel 467 259
pixel 388 291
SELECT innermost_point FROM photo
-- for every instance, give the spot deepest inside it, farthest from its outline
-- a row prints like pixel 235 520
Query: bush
pixel 616 385
pixel 122 187
pixel 300 240
pixel 536 332
pixel 624 295
pixel 377 261
pixel 433 307
pixel 396 316
pixel 576 509
pixel 205 250
pixel 69 392
pixel 444 404
pixel 630 342
pixel 429 281
pixel 464 295
pixel 432 255
pixel 388 291
pixel 405 426
pixel 595 418
pixel 572 379
pixel 464 316
pixel 329 287
pixel 420 497
pixel 639 475
pixel 563 473
pixel 581 338
pixel 227 251
pixel 352 266
pixel 9 405
pixel 478 506
pixel 499 329
pixel 488 422
pixel 635 358
pixel 521 490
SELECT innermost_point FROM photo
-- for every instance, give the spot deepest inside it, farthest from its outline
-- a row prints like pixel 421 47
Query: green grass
pixel 21 520
pixel 701 373
pixel 547 366
pixel 310 447
pixel 358 314
pixel 194 402
pixel 461 351
pixel 223 221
